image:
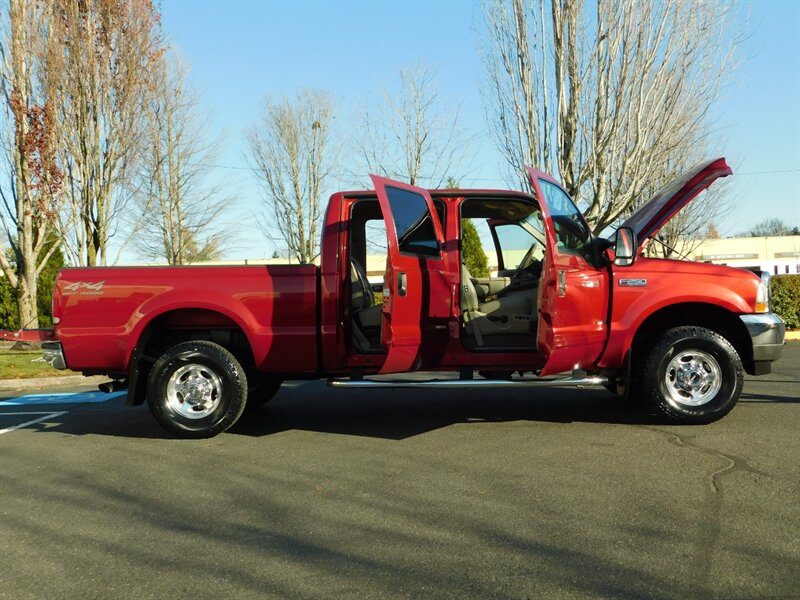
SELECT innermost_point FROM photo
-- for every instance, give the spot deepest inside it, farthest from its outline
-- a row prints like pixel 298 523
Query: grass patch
pixel 15 364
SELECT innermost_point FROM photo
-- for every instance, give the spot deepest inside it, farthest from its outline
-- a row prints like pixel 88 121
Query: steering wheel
pixel 525 265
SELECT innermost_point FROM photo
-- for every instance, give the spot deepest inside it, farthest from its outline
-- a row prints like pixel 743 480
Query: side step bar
pixel 470 383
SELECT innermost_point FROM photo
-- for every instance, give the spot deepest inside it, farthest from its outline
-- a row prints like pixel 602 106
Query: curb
pixel 13 385
pixel 792 336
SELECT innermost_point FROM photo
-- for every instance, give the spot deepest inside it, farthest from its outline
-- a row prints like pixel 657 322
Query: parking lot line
pixel 47 415
pixel 61 398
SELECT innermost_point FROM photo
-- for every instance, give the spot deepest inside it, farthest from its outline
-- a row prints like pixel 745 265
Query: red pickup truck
pixel 199 344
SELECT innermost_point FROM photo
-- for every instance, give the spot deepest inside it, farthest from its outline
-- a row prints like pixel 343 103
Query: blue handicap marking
pixel 62 398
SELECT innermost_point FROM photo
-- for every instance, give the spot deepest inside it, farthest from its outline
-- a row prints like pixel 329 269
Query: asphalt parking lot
pixel 405 494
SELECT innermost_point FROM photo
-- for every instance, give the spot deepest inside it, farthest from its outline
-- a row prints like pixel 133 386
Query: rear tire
pixel 692 375
pixel 196 389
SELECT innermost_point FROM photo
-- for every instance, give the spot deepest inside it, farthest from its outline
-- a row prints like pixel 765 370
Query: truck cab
pixel 570 302
pixel 432 313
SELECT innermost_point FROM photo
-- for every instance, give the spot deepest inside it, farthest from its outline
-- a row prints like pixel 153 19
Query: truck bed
pixel 101 313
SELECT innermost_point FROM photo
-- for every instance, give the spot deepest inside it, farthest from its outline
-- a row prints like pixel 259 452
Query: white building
pixel 777 255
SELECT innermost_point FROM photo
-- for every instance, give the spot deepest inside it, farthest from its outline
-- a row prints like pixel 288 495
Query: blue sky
pixel 241 51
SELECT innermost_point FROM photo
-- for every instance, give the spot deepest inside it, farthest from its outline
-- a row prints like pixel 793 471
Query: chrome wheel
pixel 693 378
pixel 194 391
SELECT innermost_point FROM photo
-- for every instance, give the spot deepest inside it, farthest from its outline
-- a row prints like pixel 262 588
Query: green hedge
pixel 785 290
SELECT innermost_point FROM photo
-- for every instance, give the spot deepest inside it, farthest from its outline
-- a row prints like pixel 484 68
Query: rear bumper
pixel 27 335
pixel 767 332
pixel 54 355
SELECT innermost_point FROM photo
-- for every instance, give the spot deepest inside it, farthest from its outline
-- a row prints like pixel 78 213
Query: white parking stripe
pixel 31 422
pixel 61 398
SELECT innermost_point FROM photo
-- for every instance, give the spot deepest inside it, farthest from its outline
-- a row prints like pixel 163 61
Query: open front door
pixel 573 293
pixel 414 241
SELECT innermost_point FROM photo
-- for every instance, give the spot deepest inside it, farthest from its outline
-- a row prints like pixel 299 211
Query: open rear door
pixel 573 293
pixel 414 240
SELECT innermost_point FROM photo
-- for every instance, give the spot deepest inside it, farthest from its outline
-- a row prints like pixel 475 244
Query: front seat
pixel 364 311
pixel 510 314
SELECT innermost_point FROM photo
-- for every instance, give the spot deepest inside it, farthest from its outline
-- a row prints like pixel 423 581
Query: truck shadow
pixel 403 413
pixel 763 398
pixel 392 414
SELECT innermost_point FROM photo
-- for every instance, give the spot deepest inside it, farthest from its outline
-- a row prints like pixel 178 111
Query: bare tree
pixel 290 154
pixel 412 134
pixel 30 196
pixel 693 225
pixel 612 95
pixel 771 227
pixel 181 216
pixel 111 51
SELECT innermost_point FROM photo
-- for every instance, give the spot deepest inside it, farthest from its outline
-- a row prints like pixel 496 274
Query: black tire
pixel 196 389
pixel 262 388
pixel 692 375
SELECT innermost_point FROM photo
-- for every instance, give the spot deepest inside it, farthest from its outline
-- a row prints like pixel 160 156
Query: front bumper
pixel 767 331
pixel 53 355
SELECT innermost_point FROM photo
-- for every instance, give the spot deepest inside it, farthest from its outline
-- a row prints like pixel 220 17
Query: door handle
pixel 401 284
pixel 562 284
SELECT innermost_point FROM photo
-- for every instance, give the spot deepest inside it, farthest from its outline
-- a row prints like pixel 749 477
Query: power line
pixel 737 174
pixel 768 172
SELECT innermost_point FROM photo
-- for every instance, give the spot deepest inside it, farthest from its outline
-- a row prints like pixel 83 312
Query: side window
pixel 375 232
pixel 367 242
pixel 572 234
pixel 415 231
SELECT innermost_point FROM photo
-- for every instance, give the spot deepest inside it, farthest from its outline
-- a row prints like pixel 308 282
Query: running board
pixel 469 383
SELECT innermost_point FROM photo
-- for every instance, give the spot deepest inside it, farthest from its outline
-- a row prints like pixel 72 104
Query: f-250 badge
pixel 84 288
pixel 632 282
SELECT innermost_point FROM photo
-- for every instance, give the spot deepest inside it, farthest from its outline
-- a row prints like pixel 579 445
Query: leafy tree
pixel 47 279
pixel 471 248
pixel 9 316
pixel 9 319
pixel 472 251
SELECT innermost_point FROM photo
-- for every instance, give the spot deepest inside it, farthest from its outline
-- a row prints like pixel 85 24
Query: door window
pixel 572 233
pixel 413 223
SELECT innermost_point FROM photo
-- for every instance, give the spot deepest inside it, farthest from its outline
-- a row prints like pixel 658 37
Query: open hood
pixel 674 196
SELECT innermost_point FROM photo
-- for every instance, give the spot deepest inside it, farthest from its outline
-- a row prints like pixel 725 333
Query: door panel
pixel 415 241
pixel 573 294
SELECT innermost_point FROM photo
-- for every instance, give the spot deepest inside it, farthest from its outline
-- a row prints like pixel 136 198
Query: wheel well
pixel 697 314
pixel 185 325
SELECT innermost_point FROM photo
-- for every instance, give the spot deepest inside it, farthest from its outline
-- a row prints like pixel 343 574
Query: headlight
pixel 762 294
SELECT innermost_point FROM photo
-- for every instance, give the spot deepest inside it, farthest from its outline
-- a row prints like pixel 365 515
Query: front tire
pixel 196 389
pixel 692 375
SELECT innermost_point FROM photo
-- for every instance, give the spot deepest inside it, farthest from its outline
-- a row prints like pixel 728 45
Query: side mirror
pixel 625 247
